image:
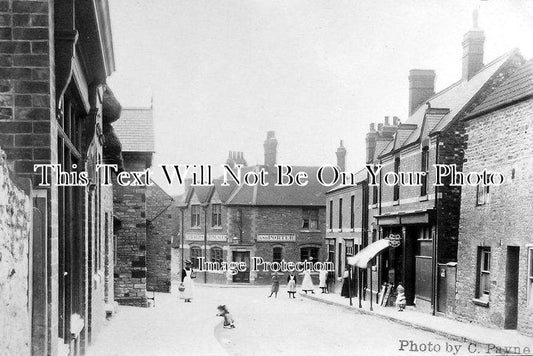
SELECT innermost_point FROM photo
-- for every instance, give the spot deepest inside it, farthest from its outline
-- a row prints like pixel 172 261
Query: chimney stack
pixel 387 123
pixel 473 43
pixel 341 157
pixel 235 158
pixel 371 137
pixel 395 121
pixel 270 146
pixel 421 87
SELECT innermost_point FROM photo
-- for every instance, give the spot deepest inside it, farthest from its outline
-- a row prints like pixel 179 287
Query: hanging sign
pixel 394 240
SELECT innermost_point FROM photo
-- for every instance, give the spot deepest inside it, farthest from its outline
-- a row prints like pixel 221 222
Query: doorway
pixel 511 287
pixel 244 276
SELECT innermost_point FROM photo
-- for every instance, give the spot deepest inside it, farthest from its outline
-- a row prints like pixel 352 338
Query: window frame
pixel 352 212
pixel 216 215
pixel 482 194
pixel 277 250
pixel 310 219
pixel 194 259
pixel 396 188
pixel 483 273
pixel 214 251
pixel 309 254
pixel 424 167
pixel 195 216
pixel 340 213
pixel 331 214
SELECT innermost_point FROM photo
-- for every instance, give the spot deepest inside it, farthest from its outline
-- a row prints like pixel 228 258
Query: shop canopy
pixel 365 255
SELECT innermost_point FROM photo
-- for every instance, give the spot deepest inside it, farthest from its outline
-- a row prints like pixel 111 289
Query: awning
pixel 364 256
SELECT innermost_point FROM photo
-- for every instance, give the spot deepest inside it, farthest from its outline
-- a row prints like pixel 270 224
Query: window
pixel 310 219
pixel 216 255
pixel 396 192
pixel 375 193
pixel 277 254
pixel 424 167
pixel 425 242
pixel 307 252
pixel 195 216
pixel 331 214
pixel 482 194
pixel 340 213
pixel 484 261
pixel 349 250
pixel 216 217
pixel 331 250
pixel 530 277
pixel 352 212
pixel 196 253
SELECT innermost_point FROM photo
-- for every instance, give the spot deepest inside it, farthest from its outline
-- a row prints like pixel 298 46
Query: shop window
pixel 307 252
pixel 530 277
pixel 310 219
pixel 331 250
pixel 216 255
pixel 196 253
pixel 349 249
pixel 352 211
pixel 277 254
pixel 216 216
pixel 482 194
pixel 396 191
pixel 424 167
pixel 195 215
pixel 340 213
pixel 483 273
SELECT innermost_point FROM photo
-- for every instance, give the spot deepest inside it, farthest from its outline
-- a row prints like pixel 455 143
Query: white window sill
pixel 481 302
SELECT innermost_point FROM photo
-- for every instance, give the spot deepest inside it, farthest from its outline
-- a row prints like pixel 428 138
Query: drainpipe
pixel 434 295
pixel 205 239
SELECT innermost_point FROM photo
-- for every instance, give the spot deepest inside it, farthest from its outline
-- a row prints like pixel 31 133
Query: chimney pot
pixel 473 43
pixel 372 127
pixel 341 157
pixel 395 121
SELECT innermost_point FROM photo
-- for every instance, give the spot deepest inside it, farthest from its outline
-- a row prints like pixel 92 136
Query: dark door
pixel 242 256
pixel 511 287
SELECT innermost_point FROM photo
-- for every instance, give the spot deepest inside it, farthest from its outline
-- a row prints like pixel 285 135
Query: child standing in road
pixel 228 319
pixel 400 298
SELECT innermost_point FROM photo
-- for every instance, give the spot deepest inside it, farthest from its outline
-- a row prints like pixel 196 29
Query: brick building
pixel 55 58
pixel 162 218
pixel 242 222
pixel 347 218
pixel 495 256
pixel 426 217
pixel 135 131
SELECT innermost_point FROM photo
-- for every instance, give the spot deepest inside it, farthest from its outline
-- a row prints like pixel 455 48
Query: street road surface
pixel 264 326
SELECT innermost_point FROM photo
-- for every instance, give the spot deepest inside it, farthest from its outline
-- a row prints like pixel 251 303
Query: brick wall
pixel 130 267
pixel 499 141
pixel 15 233
pixel 162 215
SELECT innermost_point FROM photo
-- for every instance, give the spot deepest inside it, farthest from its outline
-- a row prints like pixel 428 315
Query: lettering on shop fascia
pixel 276 237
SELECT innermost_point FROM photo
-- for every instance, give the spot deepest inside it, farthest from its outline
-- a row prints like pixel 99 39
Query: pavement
pixel 490 338
pixel 312 325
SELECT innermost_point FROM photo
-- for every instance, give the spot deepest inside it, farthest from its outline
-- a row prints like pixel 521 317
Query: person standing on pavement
pixel 345 291
pixel 275 285
pixel 307 283
pixel 322 280
pixel 187 274
pixel 291 285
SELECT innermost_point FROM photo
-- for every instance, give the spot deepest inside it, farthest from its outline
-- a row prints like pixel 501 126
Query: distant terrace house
pixel 495 254
pixel 427 217
pixel 274 223
pixel 346 214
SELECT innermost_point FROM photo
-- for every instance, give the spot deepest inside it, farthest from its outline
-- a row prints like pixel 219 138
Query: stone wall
pixel 162 226
pixel 499 141
pixel 15 235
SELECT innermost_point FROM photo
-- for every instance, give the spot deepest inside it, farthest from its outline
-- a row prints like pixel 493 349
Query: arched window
pixel 277 254
pixel 196 252
pixel 216 254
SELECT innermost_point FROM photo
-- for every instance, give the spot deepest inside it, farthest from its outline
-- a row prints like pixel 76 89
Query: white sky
pixel 223 72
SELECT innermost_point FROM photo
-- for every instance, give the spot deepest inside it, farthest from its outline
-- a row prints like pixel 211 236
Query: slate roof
pixel 455 98
pixel 313 194
pixel 360 176
pixel 135 130
pixel 517 87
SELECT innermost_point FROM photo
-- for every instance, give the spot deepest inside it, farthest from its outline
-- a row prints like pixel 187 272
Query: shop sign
pixel 394 240
pixel 210 237
pixel 276 237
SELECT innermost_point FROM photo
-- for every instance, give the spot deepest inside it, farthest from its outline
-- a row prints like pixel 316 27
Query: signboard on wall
pixel 210 237
pixel 276 237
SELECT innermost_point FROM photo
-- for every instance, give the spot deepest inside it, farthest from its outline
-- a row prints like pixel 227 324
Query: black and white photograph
pixel 266 177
